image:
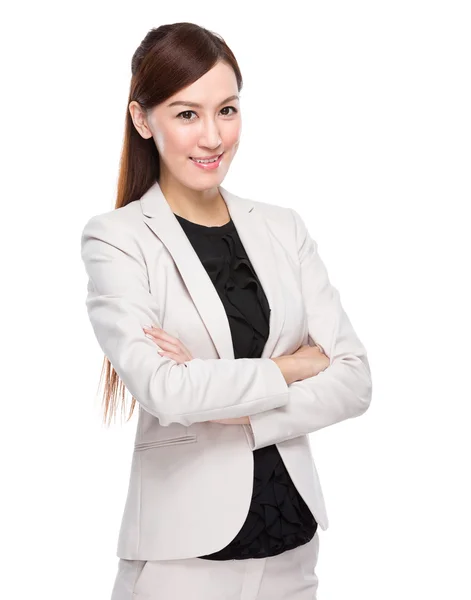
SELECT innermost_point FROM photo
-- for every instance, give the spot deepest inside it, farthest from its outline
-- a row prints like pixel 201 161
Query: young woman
pixel 217 314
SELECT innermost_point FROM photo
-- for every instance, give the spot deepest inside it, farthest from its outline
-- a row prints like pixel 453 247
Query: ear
pixel 139 118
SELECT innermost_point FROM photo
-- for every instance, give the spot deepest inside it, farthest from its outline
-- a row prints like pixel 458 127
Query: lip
pixel 207 157
pixel 208 166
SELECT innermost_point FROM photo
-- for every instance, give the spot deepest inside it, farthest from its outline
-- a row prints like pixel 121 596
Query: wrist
pixel 289 367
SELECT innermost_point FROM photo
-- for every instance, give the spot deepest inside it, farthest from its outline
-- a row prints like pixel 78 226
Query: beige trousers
pixel 287 576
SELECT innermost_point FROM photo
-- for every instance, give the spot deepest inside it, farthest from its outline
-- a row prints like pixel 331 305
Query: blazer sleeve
pixel 119 305
pixel 344 389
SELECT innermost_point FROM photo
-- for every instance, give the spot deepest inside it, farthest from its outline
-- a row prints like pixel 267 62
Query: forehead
pixel 217 86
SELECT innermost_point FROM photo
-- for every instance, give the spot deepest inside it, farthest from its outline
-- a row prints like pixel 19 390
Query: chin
pixel 204 180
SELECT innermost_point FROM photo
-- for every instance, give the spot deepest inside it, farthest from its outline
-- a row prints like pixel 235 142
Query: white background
pixel 356 114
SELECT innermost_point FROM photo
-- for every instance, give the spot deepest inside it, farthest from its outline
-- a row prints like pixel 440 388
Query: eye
pixel 231 107
pixel 189 119
pixel 185 112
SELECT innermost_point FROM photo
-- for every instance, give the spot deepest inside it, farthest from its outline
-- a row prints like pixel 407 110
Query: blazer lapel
pixel 256 237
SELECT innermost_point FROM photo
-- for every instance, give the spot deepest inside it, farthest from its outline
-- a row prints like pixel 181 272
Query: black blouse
pixel 278 518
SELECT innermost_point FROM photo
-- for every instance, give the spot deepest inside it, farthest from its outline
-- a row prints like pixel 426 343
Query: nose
pixel 210 137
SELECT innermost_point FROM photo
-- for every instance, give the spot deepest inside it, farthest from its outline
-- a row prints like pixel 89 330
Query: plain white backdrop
pixel 355 114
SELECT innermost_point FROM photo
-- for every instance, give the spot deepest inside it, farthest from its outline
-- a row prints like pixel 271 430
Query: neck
pixel 206 207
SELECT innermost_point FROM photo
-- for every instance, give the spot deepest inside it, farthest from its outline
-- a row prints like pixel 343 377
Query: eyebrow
pixel 196 105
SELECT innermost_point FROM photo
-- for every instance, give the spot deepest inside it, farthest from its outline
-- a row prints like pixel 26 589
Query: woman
pixel 204 304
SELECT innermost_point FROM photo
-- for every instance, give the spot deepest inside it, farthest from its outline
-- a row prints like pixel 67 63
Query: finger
pixel 162 335
pixel 159 334
pixel 175 345
pixel 155 331
pixel 178 359
pixel 163 344
pixel 168 342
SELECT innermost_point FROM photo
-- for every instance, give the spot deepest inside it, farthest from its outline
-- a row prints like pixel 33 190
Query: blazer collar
pixel 257 239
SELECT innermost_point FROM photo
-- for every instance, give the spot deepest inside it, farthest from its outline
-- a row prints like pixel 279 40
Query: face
pixel 201 120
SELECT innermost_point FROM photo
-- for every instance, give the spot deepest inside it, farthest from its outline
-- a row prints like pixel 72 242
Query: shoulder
pixel 124 216
pixel 275 212
pixel 271 211
pixel 113 230
pixel 288 226
pixel 283 217
pixel 119 224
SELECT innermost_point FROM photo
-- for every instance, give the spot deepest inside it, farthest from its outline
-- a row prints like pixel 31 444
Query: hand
pixel 313 359
pixel 171 346
pixel 176 350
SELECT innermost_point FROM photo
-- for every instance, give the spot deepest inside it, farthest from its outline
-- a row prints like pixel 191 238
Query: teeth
pixel 206 161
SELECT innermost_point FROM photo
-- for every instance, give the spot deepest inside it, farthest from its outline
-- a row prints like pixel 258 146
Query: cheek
pixel 160 142
pixel 231 137
pixel 173 141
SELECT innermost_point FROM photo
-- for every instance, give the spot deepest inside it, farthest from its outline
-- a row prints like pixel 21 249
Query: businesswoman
pixel 217 314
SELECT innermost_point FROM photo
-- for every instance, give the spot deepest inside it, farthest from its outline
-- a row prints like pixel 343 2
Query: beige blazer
pixel 190 483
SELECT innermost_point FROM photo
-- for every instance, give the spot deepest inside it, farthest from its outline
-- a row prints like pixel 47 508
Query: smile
pixel 211 163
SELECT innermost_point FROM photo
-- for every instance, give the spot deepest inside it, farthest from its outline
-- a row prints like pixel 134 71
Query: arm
pixel 119 305
pixel 343 390
pixel 291 371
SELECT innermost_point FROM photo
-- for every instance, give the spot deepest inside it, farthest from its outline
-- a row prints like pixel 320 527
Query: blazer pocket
pixel 140 566
pixel 183 439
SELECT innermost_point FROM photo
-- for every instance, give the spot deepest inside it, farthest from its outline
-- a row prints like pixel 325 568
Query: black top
pixel 278 518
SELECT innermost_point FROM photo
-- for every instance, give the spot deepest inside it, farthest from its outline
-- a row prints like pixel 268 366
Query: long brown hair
pixel 169 58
